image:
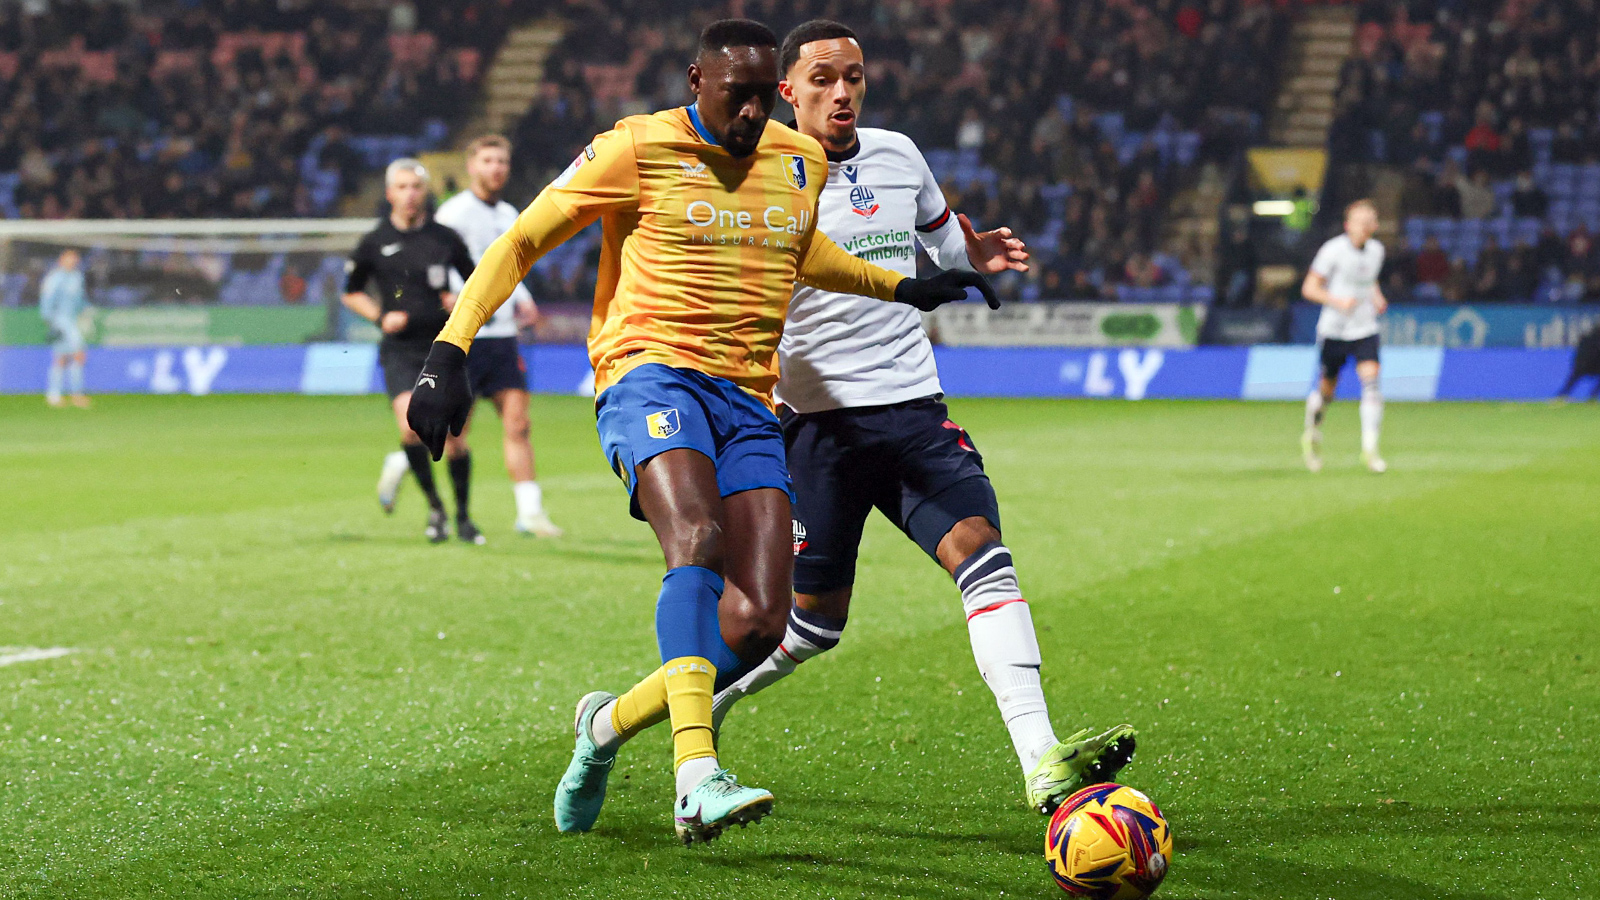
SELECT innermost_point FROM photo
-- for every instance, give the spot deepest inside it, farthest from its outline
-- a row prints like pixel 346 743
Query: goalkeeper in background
pixel 62 301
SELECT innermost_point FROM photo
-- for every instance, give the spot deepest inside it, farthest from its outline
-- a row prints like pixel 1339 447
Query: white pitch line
pixel 32 654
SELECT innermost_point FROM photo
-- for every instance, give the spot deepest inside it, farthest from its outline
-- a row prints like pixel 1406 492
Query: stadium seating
pixel 222 95
pixel 1057 158
pixel 248 110
pixel 1504 89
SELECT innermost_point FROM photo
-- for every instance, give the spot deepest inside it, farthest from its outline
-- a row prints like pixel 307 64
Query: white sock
pixel 1371 414
pixel 693 772
pixel 600 727
pixel 75 378
pixel 53 390
pixel 1314 406
pixel 807 635
pixel 530 499
pixel 1006 649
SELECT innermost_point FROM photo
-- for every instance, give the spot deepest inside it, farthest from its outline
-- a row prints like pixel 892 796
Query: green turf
pixel 1347 686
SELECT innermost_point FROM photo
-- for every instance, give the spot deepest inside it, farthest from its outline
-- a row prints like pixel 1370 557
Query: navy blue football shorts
pixel 1335 353
pixel 495 365
pixel 907 460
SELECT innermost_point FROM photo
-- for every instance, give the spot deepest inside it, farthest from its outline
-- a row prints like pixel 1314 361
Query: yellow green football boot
pixel 1077 762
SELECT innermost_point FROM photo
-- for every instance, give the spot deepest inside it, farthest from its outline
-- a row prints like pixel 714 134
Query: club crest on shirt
pixel 794 170
pixel 662 425
pixel 800 542
pixel 862 201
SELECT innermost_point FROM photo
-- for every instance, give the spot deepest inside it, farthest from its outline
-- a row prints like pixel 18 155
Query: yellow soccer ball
pixel 1108 842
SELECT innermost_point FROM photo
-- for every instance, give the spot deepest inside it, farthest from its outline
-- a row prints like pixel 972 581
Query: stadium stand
pixel 229 108
pixel 1493 111
pixel 1074 123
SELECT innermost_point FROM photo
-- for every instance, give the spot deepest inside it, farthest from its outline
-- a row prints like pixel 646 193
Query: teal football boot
pixel 716 803
pixel 1076 763
pixel 582 790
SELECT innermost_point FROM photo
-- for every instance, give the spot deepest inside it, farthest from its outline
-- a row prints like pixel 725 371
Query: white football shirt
pixel 479 223
pixel 844 350
pixel 1350 271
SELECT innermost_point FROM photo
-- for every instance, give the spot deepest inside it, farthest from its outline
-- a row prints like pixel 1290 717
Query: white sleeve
pixel 937 229
pixel 1323 262
pixel 447 216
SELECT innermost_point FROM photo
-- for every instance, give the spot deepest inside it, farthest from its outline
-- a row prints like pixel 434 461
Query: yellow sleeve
pixel 604 178
pixel 827 267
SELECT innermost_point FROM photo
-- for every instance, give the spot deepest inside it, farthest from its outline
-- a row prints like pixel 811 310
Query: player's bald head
pixel 735 80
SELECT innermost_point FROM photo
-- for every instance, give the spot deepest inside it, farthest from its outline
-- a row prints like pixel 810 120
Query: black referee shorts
pixel 907 460
pixel 1335 353
pixel 401 362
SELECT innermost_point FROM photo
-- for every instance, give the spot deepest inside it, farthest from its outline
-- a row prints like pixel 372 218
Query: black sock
pixel 461 478
pixel 422 467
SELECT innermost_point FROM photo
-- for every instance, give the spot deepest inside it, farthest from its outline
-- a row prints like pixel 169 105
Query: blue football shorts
pixel 656 408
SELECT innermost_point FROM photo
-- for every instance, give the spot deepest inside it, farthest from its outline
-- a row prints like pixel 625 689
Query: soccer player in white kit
pixel 865 426
pixel 495 365
pixel 1344 279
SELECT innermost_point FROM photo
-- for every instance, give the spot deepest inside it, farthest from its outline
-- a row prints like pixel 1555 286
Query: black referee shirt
pixel 413 272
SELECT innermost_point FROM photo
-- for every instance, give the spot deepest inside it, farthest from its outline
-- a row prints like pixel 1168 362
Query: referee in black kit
pixel 410 256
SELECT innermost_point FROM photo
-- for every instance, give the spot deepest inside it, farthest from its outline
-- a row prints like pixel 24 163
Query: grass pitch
pixel 1347 686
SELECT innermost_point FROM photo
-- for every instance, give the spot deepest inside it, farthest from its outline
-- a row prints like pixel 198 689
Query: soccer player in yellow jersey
pixel 709 218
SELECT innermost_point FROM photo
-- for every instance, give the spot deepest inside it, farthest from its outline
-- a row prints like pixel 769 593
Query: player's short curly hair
pixel 805 33
pixel 725 33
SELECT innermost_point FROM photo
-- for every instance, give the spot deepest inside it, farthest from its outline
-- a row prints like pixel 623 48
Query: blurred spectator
pixel 1433 266
pixel 1527 199
pixel 1477 196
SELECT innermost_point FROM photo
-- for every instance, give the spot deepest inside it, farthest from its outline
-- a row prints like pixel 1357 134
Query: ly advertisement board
pixel 1271 372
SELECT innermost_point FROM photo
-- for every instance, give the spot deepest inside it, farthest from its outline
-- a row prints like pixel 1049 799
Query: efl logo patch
pixel 794 169
pixel 863 201
pixel 662 425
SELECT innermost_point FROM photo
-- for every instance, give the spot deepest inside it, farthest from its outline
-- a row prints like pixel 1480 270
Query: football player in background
pixel 1344 279
pixel 498 373
pixel 410 257
pixel 709 217
pixel 62 301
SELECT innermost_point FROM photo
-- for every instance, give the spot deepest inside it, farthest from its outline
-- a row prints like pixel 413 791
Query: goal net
pixel 157 281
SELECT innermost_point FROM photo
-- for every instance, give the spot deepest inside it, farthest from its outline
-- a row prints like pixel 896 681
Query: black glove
pixel 928 294
pixel 441 400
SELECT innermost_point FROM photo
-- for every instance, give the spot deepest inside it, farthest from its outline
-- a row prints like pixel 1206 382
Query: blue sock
pixel 686 618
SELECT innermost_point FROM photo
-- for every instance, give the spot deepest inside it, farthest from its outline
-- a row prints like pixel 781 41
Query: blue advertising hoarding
pixel 1468 325
pixel 1267 372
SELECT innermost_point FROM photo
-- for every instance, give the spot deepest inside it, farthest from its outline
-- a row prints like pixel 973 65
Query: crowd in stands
pixel 1072 122
pixel 1075 123
pixel 235 108
pixel 1493 110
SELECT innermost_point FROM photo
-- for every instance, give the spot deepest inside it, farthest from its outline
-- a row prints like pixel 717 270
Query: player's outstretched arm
pixel 604 177
pixel 827 267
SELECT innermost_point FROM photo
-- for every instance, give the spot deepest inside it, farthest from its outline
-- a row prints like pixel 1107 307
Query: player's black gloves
pixel 441 400
pixel 928 294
